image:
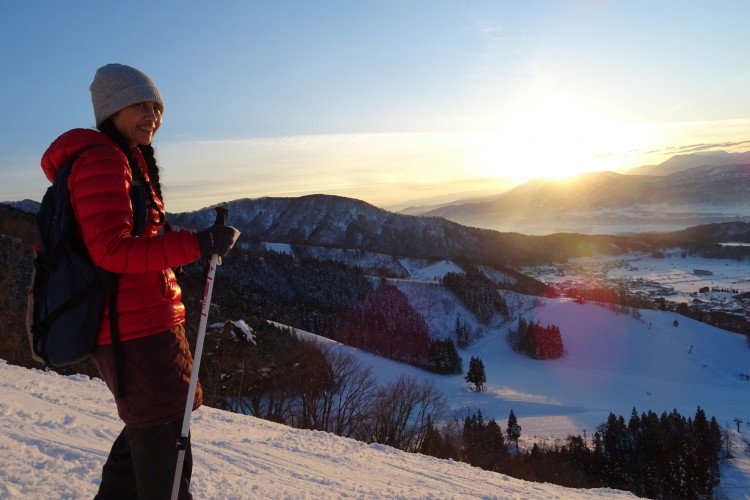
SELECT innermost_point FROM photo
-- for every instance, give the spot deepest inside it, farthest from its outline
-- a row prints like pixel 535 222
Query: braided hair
pixel 108 128
pixel 153 169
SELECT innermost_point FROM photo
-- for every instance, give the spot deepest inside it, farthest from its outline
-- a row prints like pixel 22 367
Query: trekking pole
pixel 182 442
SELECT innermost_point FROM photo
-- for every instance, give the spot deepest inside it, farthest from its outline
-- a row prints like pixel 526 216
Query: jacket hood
pixel 68 145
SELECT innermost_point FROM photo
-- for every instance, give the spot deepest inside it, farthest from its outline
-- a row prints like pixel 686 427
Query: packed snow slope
pixel 56 433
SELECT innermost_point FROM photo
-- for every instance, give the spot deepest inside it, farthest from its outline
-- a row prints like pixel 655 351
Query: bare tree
pixel 340 402
pixel 354 392
pixel 401 411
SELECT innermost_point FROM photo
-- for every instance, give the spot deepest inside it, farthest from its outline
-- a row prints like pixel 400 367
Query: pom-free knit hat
pixel 117 86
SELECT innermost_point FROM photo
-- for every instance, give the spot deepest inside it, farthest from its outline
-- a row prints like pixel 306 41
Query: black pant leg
pixel 118 476
pixel 154 453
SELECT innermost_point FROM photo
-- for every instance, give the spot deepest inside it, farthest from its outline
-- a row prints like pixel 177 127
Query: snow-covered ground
pixel 56 431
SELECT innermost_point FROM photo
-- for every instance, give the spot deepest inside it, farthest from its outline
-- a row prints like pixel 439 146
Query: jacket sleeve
pixel 99 186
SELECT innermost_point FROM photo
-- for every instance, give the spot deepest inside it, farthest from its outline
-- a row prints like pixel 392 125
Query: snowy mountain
pixel 56 431
pixel 345 222
pixel 337 222
pixel 723 185
pixel 325 227
pixel 30 206
pixel 611 203
pixel 681 162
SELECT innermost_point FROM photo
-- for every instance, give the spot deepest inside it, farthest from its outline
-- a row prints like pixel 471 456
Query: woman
pixel 156 361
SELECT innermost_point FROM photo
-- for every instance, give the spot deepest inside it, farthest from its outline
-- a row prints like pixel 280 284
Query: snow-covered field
pixel 56 431
pixel 675 271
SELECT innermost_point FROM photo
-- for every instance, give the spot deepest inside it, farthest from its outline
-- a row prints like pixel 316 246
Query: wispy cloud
pixel 701 148
pixel 380 168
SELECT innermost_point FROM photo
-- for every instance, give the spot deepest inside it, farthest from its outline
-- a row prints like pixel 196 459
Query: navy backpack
pixel 68 292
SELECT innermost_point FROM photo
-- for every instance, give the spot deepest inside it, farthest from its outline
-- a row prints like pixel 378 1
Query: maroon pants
pixel 156 371
pixel 157 375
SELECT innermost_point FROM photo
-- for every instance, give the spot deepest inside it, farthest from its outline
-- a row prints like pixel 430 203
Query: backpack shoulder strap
pixel 138 201
pixel 114 332
pixel 61 212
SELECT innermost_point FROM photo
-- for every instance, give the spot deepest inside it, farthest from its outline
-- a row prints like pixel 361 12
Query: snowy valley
pixel 57 430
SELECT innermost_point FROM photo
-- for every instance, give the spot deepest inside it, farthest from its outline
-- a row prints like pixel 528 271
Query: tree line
pixel 667 456
pixel 277 376
pixel 329 299
pixel 478 293
pixel 535 340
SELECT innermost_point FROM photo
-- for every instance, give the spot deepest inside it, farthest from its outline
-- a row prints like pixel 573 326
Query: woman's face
pixel 138 122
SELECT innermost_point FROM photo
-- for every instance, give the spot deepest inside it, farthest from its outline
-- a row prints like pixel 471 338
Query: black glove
pixel 217 240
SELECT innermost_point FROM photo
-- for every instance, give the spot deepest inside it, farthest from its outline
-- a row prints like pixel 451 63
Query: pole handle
pixel 221 220
pixel 221 216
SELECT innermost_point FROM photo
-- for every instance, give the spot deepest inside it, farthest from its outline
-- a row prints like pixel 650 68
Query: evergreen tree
pixel 652 449
pixel 463 334
pixel 493 446
pixel 536 341
pixel 704 468
pixel 432 443
pixel 385 323
pixel 477 293
pixel 472 437
pixel 614 439
pixel 484 445
pixel 476 374
pixel 659 457
pixel 444 357
pixel 513 430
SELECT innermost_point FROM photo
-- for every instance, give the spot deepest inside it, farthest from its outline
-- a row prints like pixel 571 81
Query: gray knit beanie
pixel 117 86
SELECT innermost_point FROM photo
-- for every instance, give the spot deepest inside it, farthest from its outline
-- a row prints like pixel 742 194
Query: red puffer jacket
pixel 149 298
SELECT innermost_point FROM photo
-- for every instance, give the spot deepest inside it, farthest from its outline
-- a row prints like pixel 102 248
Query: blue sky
pixel 386 101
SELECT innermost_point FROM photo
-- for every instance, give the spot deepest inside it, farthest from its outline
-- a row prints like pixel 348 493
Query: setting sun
pixel 558 138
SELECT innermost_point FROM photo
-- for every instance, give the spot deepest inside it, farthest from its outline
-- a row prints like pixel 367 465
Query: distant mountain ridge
pixel 682 162
pixel 516 226
pixel 718 185
pixel 327 227
pixel 687 190
pixel 334 221
pixel 612 203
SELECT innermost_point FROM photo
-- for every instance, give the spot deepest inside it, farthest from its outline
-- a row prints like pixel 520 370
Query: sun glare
pixel 557 139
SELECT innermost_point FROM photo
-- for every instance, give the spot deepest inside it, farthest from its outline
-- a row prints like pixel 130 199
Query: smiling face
pixel 139 122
